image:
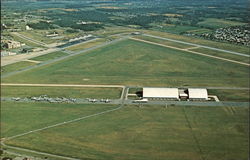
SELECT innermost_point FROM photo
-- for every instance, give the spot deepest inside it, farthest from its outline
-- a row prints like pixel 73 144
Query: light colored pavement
pixel 198 45
pixel 22 57
pixel 202 54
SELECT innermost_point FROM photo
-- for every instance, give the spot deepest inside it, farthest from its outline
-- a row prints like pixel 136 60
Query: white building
pixel 161 93
pixel 197 94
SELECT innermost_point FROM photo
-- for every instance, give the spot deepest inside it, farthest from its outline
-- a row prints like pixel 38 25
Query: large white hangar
pixel 197 94
pixel 162 93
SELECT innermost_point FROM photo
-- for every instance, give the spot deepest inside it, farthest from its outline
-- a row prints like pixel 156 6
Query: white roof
pixel 197 93
pixel 161 92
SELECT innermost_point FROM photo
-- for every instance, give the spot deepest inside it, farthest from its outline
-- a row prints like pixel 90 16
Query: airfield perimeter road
pixel 123 96
pixel 197 45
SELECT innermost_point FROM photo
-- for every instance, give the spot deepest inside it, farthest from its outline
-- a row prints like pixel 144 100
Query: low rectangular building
pixel 161 93
pixel 197 94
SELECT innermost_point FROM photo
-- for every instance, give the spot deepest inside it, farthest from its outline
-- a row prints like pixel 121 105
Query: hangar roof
pixel 160 92
pixel 197 93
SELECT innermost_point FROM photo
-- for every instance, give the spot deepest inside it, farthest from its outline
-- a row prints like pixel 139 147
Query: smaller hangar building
pixel 197 94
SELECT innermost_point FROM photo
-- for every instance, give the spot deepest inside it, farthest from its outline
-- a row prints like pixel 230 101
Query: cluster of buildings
pixel 193 94
pixel 9 44
pixel 237 34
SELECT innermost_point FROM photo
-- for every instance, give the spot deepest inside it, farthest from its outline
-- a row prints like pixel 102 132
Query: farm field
pixel 187 133
pixel 220 45
pixel 17 118
pixel 16 66
pixel 222 54
pixel 49 56
pixel 131 62
pixel 72 92
pixel 218 23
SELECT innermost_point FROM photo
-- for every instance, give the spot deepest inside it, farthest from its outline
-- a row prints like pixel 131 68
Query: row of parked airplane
pixel 101 100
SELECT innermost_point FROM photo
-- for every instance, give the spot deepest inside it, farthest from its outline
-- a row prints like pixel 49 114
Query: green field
pixel 220 45
pixel 17 118
pixel 219 23
pixel 231 95
pixel 72 92
pixel 136 63
pixel 86 45
pixel 186 133
pixel 222 54
pixel 200 49
pixel 16 66
pixel 49 56
pixel 178 29
pixel 164 42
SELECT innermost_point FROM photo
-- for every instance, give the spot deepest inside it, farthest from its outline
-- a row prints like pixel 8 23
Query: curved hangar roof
pixel 197 93
pixel 160 93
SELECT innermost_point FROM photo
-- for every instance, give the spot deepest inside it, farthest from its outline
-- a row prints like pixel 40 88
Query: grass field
pixel 72 92
pixel 218 23
pixel 49 56
pixel 17 118
pixel 164 42
pixel 177 29
pixel 114 30
pixel 231 95
pixel 16 66
pixel 200 49
pixel 86 45
pixel 136 63
pixel 220 45
pixel 187 133
pixel 222 54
